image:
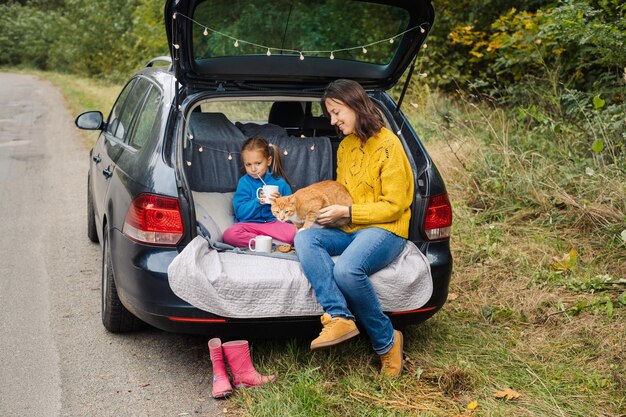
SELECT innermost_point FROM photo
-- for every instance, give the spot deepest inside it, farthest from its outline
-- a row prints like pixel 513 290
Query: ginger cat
pixel 303 206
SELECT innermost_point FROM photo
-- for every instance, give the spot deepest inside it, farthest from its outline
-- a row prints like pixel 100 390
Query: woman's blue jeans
pixel 343 288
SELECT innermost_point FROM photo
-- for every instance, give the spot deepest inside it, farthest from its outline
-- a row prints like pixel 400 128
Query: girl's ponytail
pixel 277 166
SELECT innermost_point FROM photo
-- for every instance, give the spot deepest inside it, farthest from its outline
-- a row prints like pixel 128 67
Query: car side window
pixel 134 99
pixel 114 117
pixel 146 118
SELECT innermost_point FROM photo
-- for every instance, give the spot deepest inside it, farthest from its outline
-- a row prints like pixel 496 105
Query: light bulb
pixel 206 32
pixel 236 44
pixel 268 53
pixel 364 50
pixel 425 46
pixel 174 16
pixel 301 57
pixel 200 149
pixel 190 136
pixel 332 55
pixel 398 132
pixel 230 157
pixel 176 46
pixel 285 153
pixel 312 147
pixel 391 40
pixel 422 29
pixel 188 163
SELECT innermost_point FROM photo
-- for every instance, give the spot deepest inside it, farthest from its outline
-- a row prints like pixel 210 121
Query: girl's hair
pixel 352 94
pixel 258 143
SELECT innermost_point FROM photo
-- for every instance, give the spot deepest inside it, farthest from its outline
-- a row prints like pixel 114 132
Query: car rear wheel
pixel 92 231
pixel 115 317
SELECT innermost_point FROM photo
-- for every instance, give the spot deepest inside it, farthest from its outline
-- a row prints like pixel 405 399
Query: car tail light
pixel 154 219
pixel 438 219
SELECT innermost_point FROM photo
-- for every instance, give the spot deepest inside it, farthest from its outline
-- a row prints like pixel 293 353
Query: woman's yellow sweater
pixel 380 180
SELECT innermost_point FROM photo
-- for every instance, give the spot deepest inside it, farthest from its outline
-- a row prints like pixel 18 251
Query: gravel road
pixel 56 358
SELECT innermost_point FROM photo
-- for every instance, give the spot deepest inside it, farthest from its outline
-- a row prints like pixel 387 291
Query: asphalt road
pixel 56 358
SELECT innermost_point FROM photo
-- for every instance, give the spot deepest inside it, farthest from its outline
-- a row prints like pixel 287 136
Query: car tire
pixel 115 317
pixel 92 231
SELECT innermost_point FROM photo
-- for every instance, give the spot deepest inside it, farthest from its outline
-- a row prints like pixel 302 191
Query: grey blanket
pixel 243 286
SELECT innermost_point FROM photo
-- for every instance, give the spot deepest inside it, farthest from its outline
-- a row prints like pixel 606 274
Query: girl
pixel 252 218
pixel 373 166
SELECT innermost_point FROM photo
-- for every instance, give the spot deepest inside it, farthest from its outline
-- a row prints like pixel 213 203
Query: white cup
pixel 261 244
pixel 268 190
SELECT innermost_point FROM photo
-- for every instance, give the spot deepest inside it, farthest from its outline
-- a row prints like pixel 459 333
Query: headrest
pixel 288 114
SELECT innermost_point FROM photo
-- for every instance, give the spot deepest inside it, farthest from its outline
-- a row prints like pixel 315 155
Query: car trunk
pixel 294 44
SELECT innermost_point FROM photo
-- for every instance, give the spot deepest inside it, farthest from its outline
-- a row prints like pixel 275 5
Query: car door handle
pixel 107 173
pixel 97 159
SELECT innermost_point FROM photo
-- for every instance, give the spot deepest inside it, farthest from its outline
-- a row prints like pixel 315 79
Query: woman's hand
pixel 331 214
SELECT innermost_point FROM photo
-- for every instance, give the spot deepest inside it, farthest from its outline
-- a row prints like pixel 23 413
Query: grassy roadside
pixel 81 94
pixel 525 312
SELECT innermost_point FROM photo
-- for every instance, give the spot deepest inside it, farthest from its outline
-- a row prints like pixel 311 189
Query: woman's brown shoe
pixel 393 361
pixel 335 331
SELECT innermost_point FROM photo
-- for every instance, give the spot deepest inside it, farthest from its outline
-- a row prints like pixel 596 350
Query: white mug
pixel 268 190
pixel 261 244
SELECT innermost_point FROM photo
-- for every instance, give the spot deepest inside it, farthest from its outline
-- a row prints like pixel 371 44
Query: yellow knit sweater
pixel 380 180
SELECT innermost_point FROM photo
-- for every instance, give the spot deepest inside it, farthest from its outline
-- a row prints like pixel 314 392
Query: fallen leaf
pixel 452 296
pixel 564 263
pixel 473 405
pixel 507 394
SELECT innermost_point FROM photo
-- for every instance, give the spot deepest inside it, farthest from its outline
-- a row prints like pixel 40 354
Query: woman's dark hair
pixel 258 143
pixel 352 94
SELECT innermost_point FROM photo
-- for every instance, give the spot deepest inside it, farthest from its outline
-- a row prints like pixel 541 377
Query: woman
pixel 373 166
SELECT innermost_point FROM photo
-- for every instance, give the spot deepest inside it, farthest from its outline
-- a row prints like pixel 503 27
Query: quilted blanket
pixel 240 285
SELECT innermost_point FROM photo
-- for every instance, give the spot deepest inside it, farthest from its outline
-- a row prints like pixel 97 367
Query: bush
pixel 26 35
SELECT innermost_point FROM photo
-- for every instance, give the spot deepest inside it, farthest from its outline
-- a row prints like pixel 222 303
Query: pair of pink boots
pixel 237 355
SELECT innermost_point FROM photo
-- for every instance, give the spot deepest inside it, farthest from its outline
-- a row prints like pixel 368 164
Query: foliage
pixel 26 35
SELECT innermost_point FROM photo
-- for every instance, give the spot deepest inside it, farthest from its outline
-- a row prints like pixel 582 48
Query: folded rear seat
pixel 215 157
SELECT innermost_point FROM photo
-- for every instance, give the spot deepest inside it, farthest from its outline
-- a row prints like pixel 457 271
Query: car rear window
pixel 349 30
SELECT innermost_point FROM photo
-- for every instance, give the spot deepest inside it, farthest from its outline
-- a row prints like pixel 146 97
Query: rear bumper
pixel 143 287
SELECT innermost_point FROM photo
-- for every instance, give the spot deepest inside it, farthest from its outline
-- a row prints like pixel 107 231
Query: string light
pixel 423 27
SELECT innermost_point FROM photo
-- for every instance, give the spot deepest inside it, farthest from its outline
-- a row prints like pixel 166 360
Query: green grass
pixel 512 320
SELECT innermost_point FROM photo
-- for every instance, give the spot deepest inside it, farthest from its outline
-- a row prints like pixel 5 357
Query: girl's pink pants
pixel 239 234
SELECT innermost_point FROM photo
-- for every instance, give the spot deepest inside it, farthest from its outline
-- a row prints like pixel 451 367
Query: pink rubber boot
pixel 221 383
pixel 244 375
